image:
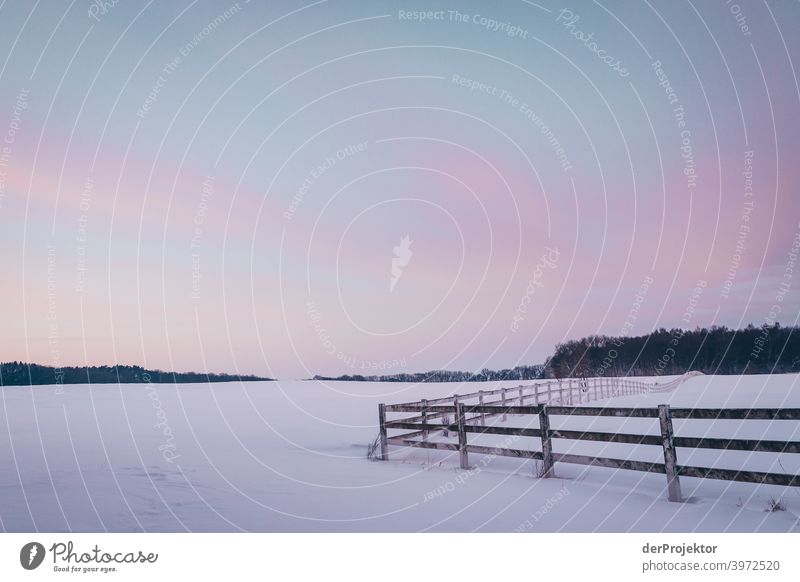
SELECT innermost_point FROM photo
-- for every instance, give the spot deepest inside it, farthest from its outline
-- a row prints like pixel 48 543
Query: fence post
pixel 462 438
pixel 382 420
pixel 547 446
pixel 549 393
pixel 670 459
pixel 503 394
pixel 569 391
pixel 480 401
pixel 446 432
pixel 424 403
pixel 521 395
pixel 594 386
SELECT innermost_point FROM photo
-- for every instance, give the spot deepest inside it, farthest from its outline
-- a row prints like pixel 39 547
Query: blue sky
pixel 486 137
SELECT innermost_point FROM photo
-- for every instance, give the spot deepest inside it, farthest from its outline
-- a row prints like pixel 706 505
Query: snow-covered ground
pixel 290 456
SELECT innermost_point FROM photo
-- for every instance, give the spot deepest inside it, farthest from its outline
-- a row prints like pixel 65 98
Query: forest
pixel 770 349
pixel 22 374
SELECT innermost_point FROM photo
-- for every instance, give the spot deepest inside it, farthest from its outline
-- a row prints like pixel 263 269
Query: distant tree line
pixel 770 349
pixel 718 350
pixel 22 374
pixel 519 373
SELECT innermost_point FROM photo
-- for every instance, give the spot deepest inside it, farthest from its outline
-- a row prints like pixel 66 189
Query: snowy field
pixel 290 456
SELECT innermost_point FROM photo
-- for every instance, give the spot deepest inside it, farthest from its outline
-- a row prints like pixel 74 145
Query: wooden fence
pixel 556 398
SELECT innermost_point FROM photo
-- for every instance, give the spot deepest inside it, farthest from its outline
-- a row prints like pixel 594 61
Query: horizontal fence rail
pixel 456 417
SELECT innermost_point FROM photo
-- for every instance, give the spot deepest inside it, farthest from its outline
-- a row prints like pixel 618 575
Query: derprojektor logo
pixel 31 555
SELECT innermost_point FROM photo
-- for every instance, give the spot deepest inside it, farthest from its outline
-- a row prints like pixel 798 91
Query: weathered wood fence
pixel 462 418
